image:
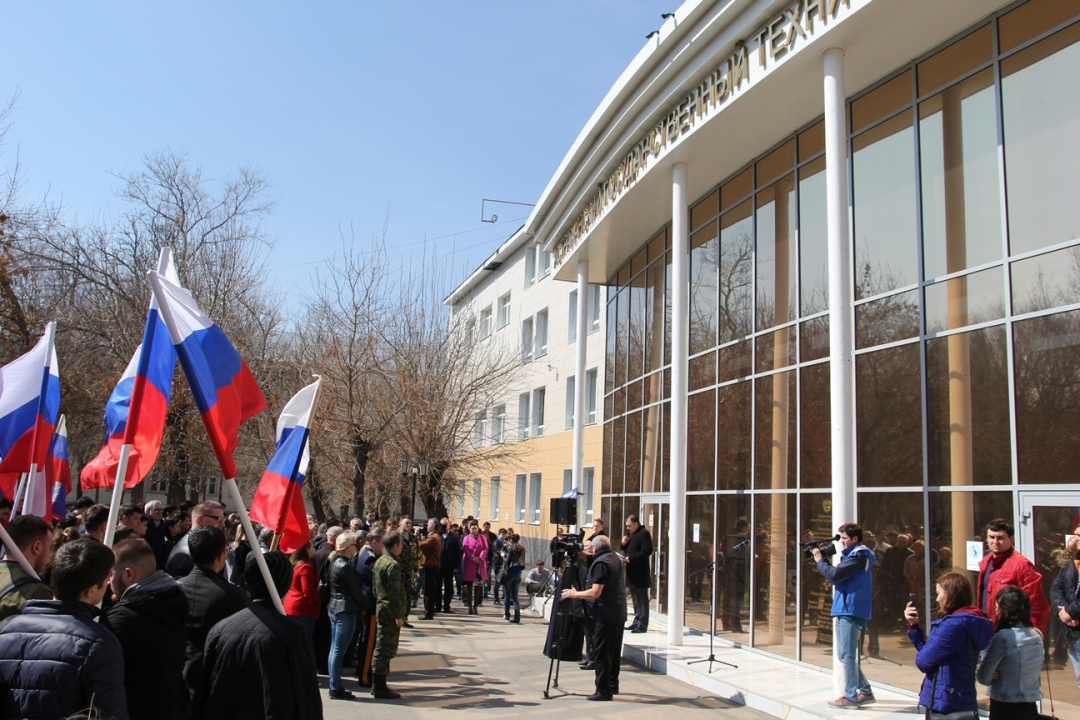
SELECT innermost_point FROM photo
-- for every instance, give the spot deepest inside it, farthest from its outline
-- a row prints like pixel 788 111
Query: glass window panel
pixel 702 371
pixel 736 274
pixel 961 208
pixel 622 335
pixel 652 388
pixel 620 401
pixel 775 349
pixel 812 141
pixel 609 406
pixel 656 247
pixel 637 264
pixel 776 257
pixel 888 516
pixel 733 441
pixel 1046 359
pixel 885 214
pixel 815 434
pixel 733 584
pixel 624 274
pixel 635 341
pixel 700 547
pixel 704 211
pixel 633 453
pixel 966 300
pixel 957 518
pixel 881 101
pixel 967 409
pixel 701 441
pixel 958 58
pixel 667 310
pixel 776 163
pixel 605 475
pixel 815 613
pixel 736 188
pixel 633 395
pixel 887 320
pixel 654 317
pixel 665 446
pixel 734 361
pixel 813 239
pixel 704 247
pixel 1032 19
pixel 610 345
pixel 814 339
pixel 1046 281
pixel 650 458
pixel 774 573
pixel 1042 157
pixel 774 466
pixel 618 453
pixel 888 406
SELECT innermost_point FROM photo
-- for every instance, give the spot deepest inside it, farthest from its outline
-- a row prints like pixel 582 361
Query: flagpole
pixel 253 539
pixel 291 489
pixel 17 495
pixel 50 332
pixel 12 550
pixel 31 483
pixel 117 493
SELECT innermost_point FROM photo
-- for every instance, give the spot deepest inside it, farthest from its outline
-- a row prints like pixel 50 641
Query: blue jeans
pixel 848 629
pixel 510 594
pixel 342 626
pixel 1074 655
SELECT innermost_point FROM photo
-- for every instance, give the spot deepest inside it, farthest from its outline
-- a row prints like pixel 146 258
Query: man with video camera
pixel 606 593
pixel 852 599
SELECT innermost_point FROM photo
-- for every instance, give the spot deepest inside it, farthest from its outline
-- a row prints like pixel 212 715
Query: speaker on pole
pixel 564 510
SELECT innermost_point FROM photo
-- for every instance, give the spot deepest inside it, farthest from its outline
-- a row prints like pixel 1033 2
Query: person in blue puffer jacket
pixel 952 651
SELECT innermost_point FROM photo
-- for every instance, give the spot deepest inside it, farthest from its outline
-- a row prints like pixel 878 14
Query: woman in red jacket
pixel 302 600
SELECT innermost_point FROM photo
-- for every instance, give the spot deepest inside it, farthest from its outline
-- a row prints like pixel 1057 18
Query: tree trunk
pixel 311 482
pixel 361 450
pixel 428 495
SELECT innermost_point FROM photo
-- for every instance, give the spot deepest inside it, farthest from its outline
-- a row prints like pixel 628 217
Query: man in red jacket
pixel 1004 566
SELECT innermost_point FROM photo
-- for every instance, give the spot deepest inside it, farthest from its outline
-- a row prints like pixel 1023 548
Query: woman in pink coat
pixel 474 551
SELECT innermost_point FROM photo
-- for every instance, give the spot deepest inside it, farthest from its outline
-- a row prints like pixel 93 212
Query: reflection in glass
pixel 776 256
pixel 774 572
pixel 733 456
pixel 961 199
pixel 605 474
pixel 815 446
pixel 813 239
pixel 736 273
pixel 612 331
pixel 885 232
pixel 887 320
pixel 733 574
pixel 815 613
pixel 654 317
pixel 965 300
pixel 622 335
pixel 888 421
pixel 636 327
pixel 633 453
pixel 700 441
pixel 1046 281
pixel 699 554
pixel 1042 157
pixel 814 339
pixel 775 447
pixel 618 452
pixel 967 409
pixel 651 443
pixel 702 371
pixel 775 350
pixel 735 361
pixel 703 266
pixel 1046 360
pixel 665 446
pixel 957 518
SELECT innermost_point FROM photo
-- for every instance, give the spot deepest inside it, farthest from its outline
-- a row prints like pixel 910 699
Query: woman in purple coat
pixel 474 553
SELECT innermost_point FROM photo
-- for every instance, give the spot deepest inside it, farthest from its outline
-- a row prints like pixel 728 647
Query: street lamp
pixel 421 471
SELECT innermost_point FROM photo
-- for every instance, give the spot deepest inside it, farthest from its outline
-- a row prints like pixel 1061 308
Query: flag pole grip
pixel 31 486
pixel 117 494
pixel 253 540
pixel 13 551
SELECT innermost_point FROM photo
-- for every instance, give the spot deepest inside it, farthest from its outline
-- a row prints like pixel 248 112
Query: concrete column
pixel 841 322
pixel 579 381
pixel 680 368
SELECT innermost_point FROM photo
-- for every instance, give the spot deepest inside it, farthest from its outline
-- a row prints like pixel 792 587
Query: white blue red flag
pixel 224 390
pixel 29 404
pixel 58 470
pixel 135 412
pixel 279 502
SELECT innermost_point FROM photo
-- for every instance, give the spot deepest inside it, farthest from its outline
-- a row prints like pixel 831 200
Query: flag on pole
pixel 279 502
pixel 147 380
pixel 29 404
pixel 58 470
pixel 224 390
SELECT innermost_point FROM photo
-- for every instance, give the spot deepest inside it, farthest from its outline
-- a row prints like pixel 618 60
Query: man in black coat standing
pixel 449 560
pixel 155 532
pixel 259 663
pixel 210 598
pixel 150 621
pixel 637 549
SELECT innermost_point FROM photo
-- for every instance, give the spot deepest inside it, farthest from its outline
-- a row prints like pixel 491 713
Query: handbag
pixel 956 714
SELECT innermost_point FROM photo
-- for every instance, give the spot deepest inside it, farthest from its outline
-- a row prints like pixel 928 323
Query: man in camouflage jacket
pixel 391 609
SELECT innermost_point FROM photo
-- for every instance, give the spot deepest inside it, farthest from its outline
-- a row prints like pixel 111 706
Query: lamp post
pixel 421 471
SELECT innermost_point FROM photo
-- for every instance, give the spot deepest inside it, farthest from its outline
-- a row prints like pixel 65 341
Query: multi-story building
pixel 513 304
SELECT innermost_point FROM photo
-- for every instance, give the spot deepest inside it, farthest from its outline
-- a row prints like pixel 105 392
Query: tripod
pixel 557 631
pixel 712 610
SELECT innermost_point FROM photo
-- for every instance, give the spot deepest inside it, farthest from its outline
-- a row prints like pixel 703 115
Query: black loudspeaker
pixel 564 510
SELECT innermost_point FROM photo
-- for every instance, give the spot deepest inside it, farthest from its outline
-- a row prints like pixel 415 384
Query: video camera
pixel 825 546
pixel 566 545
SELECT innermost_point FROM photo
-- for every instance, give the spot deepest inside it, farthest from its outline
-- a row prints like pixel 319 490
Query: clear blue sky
pixel 348 108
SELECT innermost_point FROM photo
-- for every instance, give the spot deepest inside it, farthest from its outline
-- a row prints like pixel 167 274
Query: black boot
pixel 380 691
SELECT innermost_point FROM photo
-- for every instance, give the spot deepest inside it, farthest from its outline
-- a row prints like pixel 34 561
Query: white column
pixel 841 322
pixel 680 362
pixel 579 382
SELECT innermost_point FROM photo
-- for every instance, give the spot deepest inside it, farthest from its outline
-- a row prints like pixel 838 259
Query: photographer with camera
pixel 852 599
pixel 606 594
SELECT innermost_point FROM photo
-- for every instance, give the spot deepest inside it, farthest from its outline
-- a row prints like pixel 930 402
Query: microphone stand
pixel 712 611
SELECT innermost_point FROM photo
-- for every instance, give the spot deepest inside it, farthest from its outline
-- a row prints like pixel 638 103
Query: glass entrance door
pixel 655 516
pixel 1046 520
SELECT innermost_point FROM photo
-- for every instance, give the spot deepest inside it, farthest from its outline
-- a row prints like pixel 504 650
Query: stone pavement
pixel 484 666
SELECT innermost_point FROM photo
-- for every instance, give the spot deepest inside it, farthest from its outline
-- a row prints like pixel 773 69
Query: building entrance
pixel 655 516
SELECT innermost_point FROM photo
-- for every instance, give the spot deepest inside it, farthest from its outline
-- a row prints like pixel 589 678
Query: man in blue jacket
pixel 852 598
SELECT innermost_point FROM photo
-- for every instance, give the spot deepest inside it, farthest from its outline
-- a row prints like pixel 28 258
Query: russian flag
pixel 136 409
pixel 279 502
pixel 58 470
pixel 29 404
pixel 224 390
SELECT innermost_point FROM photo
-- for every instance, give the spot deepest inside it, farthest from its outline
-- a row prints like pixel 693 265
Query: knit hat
pixel 281 572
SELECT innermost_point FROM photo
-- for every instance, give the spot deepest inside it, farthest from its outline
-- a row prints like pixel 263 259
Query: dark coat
pixel 155 538
pixel 365 567
pixel 210 600
pixel 259 664
pixel 450 556
pixel 150 621
pixel 346 588
pixel 638 551
pixel 951 652
pixel 1064 594
pixel 54 658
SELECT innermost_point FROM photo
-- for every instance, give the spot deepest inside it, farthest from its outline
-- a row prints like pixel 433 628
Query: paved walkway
pixel 484 666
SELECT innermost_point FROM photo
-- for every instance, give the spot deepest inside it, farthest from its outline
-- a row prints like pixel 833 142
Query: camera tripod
pixel 712 608
pixel 560 618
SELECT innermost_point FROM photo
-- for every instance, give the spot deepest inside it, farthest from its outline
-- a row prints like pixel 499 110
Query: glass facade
pixel 965 236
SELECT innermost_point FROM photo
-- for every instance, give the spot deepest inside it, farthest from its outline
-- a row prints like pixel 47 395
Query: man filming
pixel 852 598
pixel 606 594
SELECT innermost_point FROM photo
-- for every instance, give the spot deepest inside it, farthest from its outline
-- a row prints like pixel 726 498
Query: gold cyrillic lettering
pixel 740 67
pixel 796 28
pixel 814 7
pixel 777 33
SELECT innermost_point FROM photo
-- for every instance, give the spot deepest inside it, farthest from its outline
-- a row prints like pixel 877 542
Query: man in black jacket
pixel 155 532
pixel 449 561
pixel 150 621
pixel 259 663
pixel 210 598
pixel 637 548
pixel 365 565
pixel 1065 599
pixel 205 514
